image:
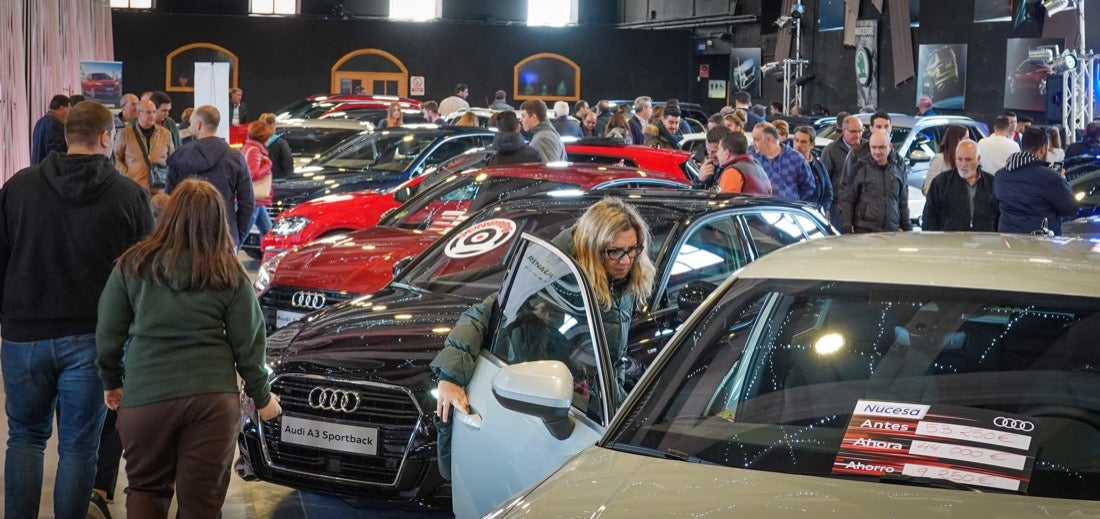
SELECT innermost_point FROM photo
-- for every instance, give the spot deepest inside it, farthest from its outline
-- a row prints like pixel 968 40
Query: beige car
pixel 883 375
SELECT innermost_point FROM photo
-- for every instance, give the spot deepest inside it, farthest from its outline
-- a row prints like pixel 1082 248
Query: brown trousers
pixel 186 443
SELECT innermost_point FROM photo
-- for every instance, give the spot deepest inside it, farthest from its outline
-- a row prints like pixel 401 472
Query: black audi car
pixel 376 440
pixel 374 159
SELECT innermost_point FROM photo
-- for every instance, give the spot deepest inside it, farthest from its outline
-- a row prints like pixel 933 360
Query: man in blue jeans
pixel 62 224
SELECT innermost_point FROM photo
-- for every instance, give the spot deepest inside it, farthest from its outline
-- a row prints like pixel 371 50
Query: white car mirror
pixel 541 388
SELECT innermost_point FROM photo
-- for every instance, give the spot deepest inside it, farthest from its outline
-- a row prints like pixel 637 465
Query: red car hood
pixel 370 201
pixel 359 263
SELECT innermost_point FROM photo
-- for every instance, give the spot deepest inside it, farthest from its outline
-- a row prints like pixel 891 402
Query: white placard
pixel 967 453
pixel 212 88
pixel 329 436
pixel 283 317
pixel 416 85
pixel 716 89
pixel 966 477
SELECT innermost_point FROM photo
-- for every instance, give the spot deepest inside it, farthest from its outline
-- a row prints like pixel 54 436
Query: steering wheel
pixel 1065 411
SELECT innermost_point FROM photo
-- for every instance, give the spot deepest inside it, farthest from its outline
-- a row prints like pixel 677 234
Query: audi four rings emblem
pixel 330 399
pixel 1014 424
pixel 303 299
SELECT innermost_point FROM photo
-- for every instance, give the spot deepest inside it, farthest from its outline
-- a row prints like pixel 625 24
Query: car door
pixel 545 318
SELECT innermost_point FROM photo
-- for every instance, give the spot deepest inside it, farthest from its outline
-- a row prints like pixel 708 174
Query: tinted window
pixel 392 151
pixel 771 230
pixel 313 141
pixel 710 252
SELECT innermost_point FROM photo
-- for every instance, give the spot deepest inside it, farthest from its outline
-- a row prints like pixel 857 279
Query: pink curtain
pixel 43 43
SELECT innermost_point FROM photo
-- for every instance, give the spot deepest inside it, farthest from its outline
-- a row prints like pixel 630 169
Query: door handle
pixel 472 420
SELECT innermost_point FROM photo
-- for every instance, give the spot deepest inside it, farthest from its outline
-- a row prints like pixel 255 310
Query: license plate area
pixel 283 317
pixel 351 439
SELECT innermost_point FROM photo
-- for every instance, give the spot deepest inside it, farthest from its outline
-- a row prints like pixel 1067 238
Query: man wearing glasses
pixel 140 146
pixel 834 155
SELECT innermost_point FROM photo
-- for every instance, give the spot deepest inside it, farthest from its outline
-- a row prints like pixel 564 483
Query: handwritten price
pixel 977 434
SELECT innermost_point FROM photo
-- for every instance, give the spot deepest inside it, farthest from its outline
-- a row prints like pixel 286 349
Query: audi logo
pixel 1014 424
pixel 311 300
pixel 329 399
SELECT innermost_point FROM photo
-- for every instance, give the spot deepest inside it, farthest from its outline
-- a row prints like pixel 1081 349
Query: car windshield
pixel 470 262
pixel 310 142
pixel 897 134
pixel 780 376
pixel 452 200
pixel 384 151
pixel 304 109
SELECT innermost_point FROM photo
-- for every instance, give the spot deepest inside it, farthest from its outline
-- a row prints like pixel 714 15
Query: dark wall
pixel 941 21
pixel 284 59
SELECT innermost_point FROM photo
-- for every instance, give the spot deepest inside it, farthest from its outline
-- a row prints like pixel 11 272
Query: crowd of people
pixel 157 210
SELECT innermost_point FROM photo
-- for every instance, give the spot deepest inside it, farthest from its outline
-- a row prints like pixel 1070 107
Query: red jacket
pixel 259 165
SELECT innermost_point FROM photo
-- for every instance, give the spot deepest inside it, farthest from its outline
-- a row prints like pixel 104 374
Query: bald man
pixel 961 199
pixel 142 145
pixel 876 198
pixel 128 107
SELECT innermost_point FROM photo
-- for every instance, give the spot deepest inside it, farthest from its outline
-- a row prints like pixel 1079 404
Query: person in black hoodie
pixel 512 148
pixel 210 158
pixel 63 223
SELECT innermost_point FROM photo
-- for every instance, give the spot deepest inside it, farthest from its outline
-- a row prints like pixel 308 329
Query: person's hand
pixel 450 395
pixel 112 397
pixel 707 170
pixel 271 410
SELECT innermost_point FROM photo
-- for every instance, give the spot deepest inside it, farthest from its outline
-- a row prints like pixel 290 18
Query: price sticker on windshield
pixel 974 447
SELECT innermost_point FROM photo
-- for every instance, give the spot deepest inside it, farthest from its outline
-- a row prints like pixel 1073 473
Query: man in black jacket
pixel 209 157
pixel 49 131
pixel 961 199
pixel 876 198
pixel 62 225
pixel 512 148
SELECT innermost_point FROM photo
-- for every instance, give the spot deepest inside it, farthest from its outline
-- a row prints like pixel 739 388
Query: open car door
pixel 542 391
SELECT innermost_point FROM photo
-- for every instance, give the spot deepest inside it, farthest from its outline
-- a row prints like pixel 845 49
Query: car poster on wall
pixel 1026 78
pixel 988 11
pixel 101 81
pixel 941 75
pixel 745 70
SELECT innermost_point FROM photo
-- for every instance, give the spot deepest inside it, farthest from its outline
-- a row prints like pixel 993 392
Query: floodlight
pixel 797 10
pixel 1064 63
pixel 768 68
pixel 783 21
pixel 1056 6
pixel 1043 56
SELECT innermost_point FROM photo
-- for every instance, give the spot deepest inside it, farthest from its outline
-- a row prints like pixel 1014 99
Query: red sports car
pixel 362 262
pixel 337 214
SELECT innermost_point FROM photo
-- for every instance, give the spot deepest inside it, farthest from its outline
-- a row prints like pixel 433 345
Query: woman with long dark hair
pixel 945 159
pixel 179 305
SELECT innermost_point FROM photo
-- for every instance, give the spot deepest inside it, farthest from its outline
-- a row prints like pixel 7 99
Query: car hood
pixel 344 202
pixel 608 484
pixel 359 263
pixel 390 336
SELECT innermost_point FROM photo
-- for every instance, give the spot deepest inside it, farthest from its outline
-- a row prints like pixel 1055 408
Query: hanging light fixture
pixel 1066 62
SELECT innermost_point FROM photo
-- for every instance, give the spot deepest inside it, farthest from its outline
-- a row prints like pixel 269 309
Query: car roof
pixel 985 261
pixel 586 175
pixel 688 202
pixel 602 146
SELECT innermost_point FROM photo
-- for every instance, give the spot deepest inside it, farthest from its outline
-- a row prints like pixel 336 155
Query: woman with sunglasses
pixel 608 242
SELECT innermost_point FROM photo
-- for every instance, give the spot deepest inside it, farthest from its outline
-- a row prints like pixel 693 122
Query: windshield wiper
pixel 904 479
pixel 410 288
pixel 670 454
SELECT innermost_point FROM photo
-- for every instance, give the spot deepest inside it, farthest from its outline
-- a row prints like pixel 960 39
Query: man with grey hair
pixel 238 111
pixel 566 125
pixel 127 110
pixel 544 137
pixel 643 110
pixel 787 169
pixel 961 199
pixel 208 157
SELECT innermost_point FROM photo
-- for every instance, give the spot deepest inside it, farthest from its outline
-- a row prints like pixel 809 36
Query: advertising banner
pixel 867 63
pixel 101 81
pixel 941 75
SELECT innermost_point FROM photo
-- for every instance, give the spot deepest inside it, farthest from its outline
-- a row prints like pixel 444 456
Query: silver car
pixel 886 375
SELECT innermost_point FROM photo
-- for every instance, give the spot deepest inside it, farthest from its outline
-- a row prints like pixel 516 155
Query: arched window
pixel 180 65
pixel 547 76
pixel 376 70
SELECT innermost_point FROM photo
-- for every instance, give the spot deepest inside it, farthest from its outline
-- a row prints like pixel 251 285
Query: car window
pixel 588 158
pixel 710 252
pixel 809 226
pixel 777 367
pixel 544 318
pixel 449 149
pixel 927 140
pixel 771 230
pixel 391 151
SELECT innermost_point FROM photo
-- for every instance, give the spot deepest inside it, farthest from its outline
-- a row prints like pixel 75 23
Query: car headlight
pixel 290 225
pixel 266 274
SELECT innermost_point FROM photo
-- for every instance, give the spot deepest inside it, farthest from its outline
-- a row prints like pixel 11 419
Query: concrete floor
pixel 245 499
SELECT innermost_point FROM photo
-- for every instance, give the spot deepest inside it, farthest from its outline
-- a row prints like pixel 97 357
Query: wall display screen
pixel 1026 79
pixel 941 75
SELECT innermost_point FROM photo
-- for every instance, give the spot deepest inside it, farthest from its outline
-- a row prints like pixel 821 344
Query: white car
pixel 885 375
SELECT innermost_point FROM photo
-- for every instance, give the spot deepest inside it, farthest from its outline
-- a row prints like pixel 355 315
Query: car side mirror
pixel 692 295
pixel 543 389
pixel 919 156
pixel 402 195
pixel 401 264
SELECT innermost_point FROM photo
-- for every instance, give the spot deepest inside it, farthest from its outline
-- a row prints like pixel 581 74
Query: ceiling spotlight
pixel 768 68
pixel 1056 6
pixel 1064 63
pixel 1043 56
pixel 783 21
